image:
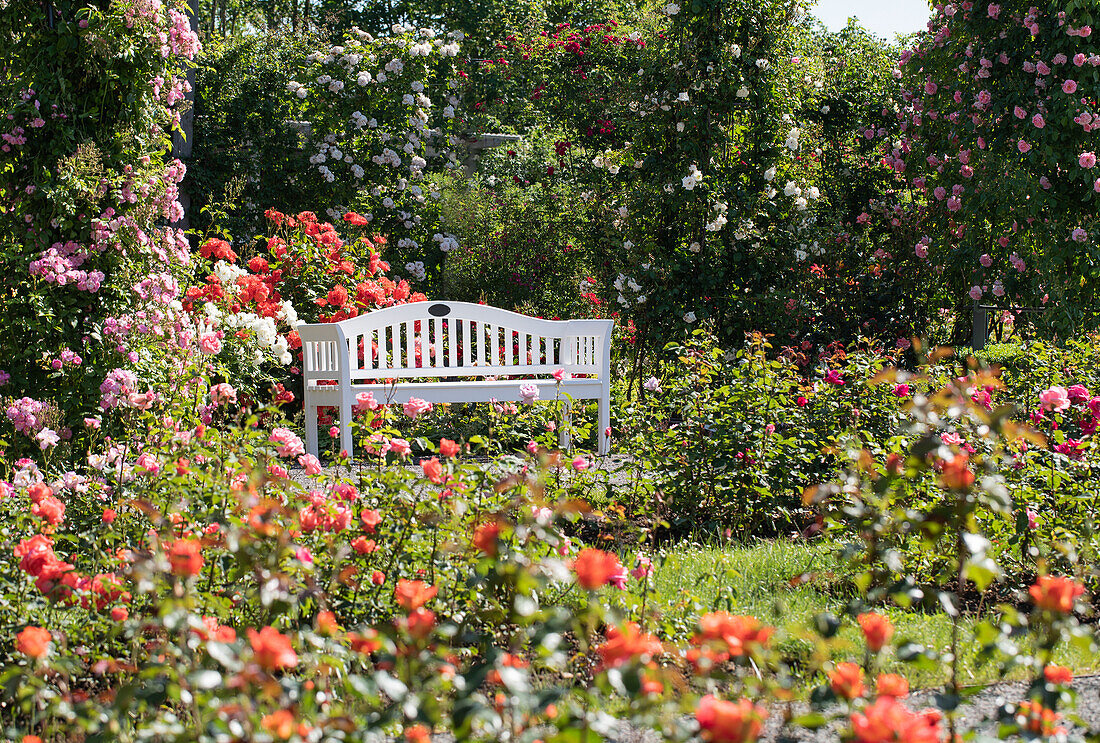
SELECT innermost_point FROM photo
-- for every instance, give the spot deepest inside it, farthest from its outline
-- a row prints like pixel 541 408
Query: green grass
pixel 756 580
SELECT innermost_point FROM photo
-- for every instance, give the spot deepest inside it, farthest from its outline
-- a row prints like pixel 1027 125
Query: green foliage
pixel 246 145
pixel 518 247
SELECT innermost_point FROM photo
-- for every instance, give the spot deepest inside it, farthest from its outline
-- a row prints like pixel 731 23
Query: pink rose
pixel 210 343
pixel 643 568
pixel 1069 87
pixel 365 401
pixel 975 293
pixel 1023 147
pixel 993 10
pixel 1087 160
pixel 310 464
pixel 148 464
pixel 1054 399
pixel 1037 121
pixel 415 406
pixel 1020 113
pixel 580 464
pixel 223 392
pixel 1078 235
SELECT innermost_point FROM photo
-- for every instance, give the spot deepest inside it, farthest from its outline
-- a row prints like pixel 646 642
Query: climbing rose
pixel 415 406
pixel 1087 160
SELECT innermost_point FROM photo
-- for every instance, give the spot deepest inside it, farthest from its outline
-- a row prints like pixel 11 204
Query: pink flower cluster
pixel 60 264
pixel 25 415
pixel 116 388
pixel 289 445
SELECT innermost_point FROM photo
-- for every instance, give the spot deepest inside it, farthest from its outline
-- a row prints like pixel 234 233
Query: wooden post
pixel 980 326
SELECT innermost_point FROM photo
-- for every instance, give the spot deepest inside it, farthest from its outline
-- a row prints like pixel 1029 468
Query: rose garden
pixel 853 480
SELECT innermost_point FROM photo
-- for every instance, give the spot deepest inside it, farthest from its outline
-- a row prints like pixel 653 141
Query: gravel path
pixel 979 713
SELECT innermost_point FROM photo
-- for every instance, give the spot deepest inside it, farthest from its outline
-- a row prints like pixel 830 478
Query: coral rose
pixel 887 720
pixel 34 642
pixel 185 557
pixel 740 633
pixel 1057 674
pixel 1055 593
pixel 729 722
pixel 877 630
pixel 892 685
pixel 627 644
pixel 412 594
pixel 271 649
pixel 846 680
pixel 595 568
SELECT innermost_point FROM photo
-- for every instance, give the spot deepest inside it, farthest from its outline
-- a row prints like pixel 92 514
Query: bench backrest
pixel 453 339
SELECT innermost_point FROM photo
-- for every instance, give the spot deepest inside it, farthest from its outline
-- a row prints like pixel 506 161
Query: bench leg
pixel 605 423
pixel 564 425
pixel 311 427
pixel 345 429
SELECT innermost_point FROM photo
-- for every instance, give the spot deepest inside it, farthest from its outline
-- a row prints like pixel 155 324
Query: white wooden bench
pixel 455 352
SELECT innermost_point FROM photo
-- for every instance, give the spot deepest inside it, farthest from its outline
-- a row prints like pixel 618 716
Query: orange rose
pixel 185 557
pixel 729 722
pixel 485 538
pixel 417 734
pixel 740 633
pixel 887 720
pixel 412 594
pixel 272 650
pixel 627 644
pixel 846 680
pixel 1057 674
pixel 421 622
pixel 892 685
pixel 448 448
pixel 594 568
pixel 1055 593
pixel 34 642
pixel 956 474
pixel 280 724
pixel 877 629
pixel 433 470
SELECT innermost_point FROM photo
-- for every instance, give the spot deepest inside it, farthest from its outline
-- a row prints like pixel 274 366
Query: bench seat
pixel 453 352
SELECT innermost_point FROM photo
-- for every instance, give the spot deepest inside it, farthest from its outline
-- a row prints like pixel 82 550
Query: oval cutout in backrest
pixel 439 310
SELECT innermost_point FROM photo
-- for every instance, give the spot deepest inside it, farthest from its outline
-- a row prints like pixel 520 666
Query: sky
pixel 882 17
